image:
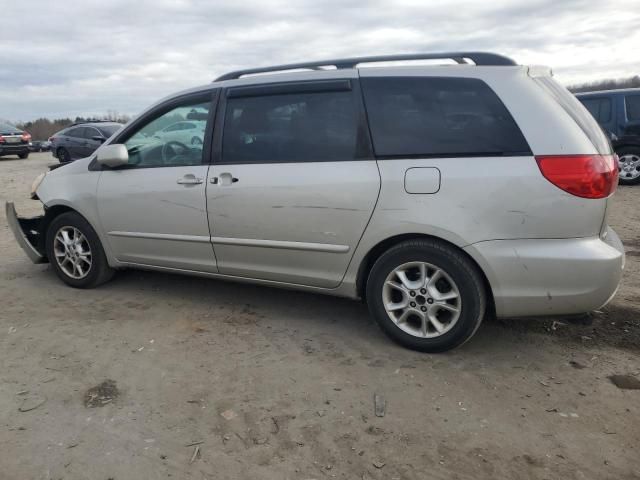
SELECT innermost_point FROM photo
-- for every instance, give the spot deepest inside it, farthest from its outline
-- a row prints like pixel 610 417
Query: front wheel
pixel 75 252
pixel 426 295
pixel 629 165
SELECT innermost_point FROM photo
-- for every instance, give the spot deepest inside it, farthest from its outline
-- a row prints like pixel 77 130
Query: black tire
pixel 457 266
pixel 63 155
pixel 629 151
pixel 99 272
pixel 24 156
pixel 196 141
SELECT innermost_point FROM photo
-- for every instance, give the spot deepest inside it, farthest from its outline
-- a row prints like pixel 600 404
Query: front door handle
pixel 190 179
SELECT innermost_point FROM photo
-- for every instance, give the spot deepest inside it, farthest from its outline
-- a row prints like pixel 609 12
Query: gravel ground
pixel 121 382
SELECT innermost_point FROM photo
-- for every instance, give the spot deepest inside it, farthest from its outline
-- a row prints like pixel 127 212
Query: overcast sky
pixel 69 58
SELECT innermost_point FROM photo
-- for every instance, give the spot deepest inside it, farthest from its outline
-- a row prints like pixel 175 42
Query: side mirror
pixel 112 156
pixel 98 138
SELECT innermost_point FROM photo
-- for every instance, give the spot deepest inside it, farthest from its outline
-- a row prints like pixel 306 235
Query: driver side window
pixel 164 142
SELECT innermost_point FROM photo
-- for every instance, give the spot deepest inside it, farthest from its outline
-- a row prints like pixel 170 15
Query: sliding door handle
pixel 224 179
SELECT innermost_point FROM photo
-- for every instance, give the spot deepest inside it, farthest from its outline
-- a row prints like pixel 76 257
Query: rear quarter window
pixel 439 116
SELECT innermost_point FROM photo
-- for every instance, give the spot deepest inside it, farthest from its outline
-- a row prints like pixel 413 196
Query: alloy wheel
pixel 629 166
pixel 72 252
pixel 422 299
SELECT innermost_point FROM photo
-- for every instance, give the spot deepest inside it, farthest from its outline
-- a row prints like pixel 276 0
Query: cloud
pixel 87 57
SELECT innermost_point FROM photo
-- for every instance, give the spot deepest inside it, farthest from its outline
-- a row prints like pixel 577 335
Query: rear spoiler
pixel 539 71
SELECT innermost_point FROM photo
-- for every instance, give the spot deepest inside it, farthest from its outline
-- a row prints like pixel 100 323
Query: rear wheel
pixel 629 165
pixel 196 141
pixel 75 252
pixel 24 155
pixel 426 295
pixel 63 155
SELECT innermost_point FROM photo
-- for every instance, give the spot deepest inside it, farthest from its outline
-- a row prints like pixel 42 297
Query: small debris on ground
pixel 102 394
pixel 229 414
pixel 193 444
pixel 379 404
pixel 379 464
pixel 625 382
pixel 32 403
pixel 196 454
pixel 577 365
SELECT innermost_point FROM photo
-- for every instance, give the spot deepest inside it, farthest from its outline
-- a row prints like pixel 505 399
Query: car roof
pixel 621 91
pixel 98 124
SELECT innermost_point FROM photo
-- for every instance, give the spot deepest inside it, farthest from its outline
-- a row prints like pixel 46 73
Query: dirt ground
pixel 162 376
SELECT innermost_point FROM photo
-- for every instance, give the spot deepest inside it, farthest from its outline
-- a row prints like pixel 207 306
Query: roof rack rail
pixel 479 58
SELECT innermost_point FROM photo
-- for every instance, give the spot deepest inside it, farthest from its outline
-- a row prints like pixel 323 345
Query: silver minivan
pixel 437 193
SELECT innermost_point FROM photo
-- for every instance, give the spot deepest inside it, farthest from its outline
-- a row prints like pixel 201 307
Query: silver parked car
pixel 437 193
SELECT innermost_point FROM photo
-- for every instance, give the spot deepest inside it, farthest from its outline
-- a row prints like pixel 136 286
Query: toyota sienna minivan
pixel 438 194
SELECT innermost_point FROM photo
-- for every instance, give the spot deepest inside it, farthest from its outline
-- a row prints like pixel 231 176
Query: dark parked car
pixel 81 139
pixel 40 146
pixel 618 113
pixel 13 141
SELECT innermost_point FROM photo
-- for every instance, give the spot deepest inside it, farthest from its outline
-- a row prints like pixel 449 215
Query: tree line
pixel 43 128
pixel 608 84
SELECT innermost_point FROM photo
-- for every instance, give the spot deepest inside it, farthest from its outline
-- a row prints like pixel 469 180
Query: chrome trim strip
pixel 162 236
pixel 251 242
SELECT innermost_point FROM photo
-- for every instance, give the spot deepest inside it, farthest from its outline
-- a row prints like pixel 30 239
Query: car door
pixel 293 183
pixel 74 142
pixel 153 210
pixel 90 144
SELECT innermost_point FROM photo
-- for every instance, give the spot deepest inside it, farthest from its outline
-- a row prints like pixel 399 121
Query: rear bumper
pixel 27 233
pixel 551 277
pixel 14 149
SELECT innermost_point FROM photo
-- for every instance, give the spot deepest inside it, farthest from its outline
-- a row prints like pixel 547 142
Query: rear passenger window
pixel 632 102
pixel 417 116
pixel 600 108
pixel 296 127
pixel 77 132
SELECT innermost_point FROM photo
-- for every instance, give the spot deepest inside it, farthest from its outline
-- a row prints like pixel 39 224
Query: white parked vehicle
pixel 435 193
pixel 188 133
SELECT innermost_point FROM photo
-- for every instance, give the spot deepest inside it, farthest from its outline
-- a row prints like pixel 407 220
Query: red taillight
pixel 1 139
pixel 26 136
pixel 586 176
pixel 51 139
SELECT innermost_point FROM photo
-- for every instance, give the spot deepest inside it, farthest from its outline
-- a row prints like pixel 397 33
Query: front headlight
pixel 36 183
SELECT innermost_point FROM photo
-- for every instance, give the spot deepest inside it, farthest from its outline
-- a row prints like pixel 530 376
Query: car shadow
pixel 320 314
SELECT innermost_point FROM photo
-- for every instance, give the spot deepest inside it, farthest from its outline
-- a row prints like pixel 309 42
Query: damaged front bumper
pixel 28 233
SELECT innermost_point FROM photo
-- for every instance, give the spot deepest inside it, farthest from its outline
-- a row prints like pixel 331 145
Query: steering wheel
pixel 172 150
